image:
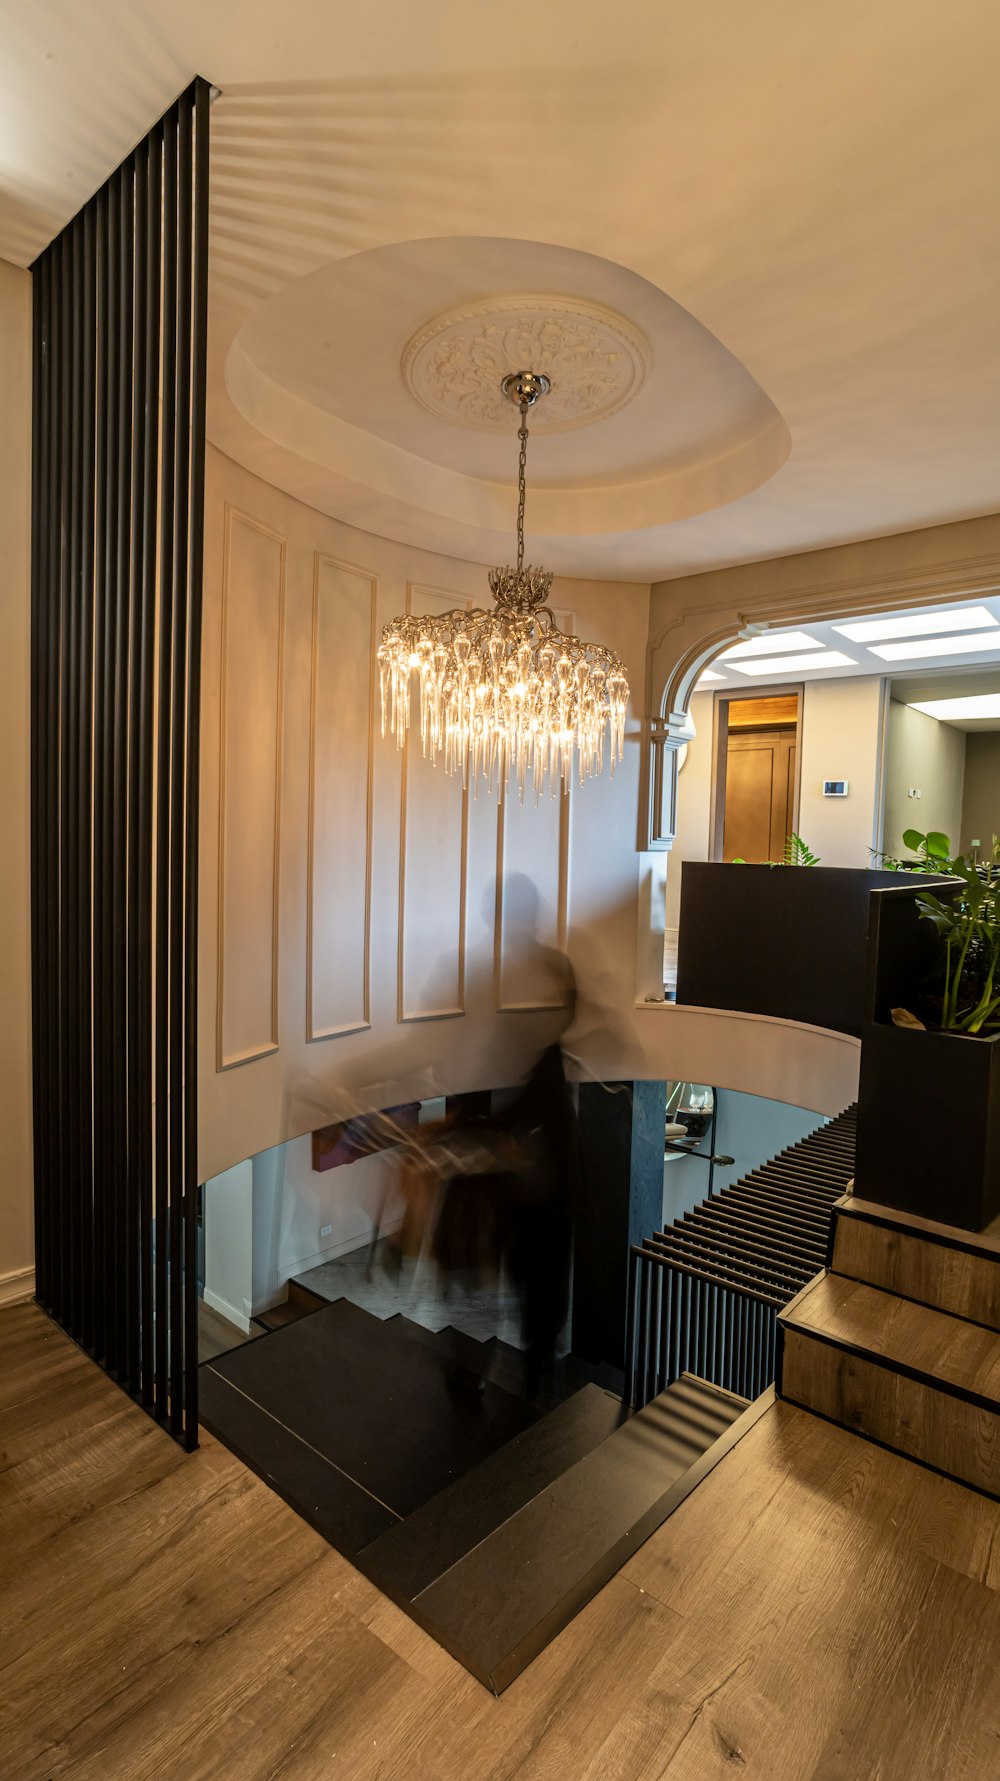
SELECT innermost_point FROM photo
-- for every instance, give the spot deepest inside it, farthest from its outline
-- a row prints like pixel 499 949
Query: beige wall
pixel 925 756
pixel 694 798
pixel 353 946
pixel 841 739
pixel 981 794
pixel 16 1247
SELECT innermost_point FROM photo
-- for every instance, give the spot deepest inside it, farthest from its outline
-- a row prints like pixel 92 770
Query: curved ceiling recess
pixel 382 371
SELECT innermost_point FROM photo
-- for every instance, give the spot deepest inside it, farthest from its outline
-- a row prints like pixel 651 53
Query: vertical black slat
pixel 199 341
pixel 143 1011
pixel 663 1358
pixel 682 1289
pixel 101 999
pixel 653 1344
pixel 120 1269
pixel 84 915
pixel 137 1220
pixel 737 1385
pixel 754 1391
pixel 69 720
pixel 713 1306
pixel 181 519
pixel 161 824
pixel 633 1269
pixel 52 827
pixel 727 1338
pixel 39 732
pixel 673 1337
pixel 104 850
pixel 643 1329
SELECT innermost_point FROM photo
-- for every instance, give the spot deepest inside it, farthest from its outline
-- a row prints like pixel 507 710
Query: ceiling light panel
pixel 772 643
pixel 977 644
pixel 820 658
pixel 948 710
pixel 709 674
pixel 934 624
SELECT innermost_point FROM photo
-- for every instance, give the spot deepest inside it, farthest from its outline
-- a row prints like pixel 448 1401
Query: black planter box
pixel 929 1103
pixel 788 941
pixel 929 1125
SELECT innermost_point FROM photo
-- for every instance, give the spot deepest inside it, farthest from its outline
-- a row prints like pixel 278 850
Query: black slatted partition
pixel 120 303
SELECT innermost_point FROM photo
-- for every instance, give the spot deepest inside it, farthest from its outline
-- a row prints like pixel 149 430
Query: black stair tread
pixel 277 1317
pixel 376 1403
pixel 705 1388
pixel 407 1559
pixel 710 1401
pixel 339 1509
pixel 557 1551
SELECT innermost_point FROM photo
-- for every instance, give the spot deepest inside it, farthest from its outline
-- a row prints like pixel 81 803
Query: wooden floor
pixel 818 1608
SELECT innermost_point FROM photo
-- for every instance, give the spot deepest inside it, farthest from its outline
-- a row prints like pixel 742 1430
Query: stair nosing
pixel 859 1351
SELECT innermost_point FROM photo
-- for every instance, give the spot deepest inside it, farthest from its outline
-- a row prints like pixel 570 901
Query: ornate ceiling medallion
pixel 596 361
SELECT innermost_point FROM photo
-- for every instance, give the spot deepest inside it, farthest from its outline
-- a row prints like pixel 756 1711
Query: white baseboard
pixel 334 1251
pixel 226 1310
pixel 17 1285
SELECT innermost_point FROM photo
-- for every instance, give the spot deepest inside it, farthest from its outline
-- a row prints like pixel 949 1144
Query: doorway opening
pixel 756 782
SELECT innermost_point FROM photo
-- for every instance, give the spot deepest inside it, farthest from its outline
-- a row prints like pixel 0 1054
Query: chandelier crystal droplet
pixel 505 692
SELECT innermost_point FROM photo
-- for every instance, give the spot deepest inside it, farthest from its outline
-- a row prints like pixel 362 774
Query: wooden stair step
pixel 953 1271
pixel 916 1379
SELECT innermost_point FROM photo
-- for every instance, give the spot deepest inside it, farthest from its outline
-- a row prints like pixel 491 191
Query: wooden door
pixel 760 790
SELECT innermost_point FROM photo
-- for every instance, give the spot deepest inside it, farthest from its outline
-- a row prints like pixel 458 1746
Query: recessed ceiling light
pixel 874 630
pixel 707 675
pixel 937 646
pixel 820 658
pixel 771 644
pixel 977 705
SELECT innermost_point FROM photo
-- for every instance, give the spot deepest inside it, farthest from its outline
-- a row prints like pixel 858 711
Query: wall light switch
pixel 326 1230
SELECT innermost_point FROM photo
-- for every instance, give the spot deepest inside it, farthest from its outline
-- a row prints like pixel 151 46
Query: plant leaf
pixel 901 1017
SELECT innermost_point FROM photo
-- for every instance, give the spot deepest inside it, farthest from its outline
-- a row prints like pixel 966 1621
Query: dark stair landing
pixel 490 1523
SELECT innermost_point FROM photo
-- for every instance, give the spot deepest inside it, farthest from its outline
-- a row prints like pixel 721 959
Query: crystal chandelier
pixel 506 692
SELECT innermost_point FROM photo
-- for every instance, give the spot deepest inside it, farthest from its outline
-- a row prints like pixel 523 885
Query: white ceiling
pixel 816 188
pixel 944 668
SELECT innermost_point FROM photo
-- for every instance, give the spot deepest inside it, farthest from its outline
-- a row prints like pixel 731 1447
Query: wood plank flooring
pixel 816 1609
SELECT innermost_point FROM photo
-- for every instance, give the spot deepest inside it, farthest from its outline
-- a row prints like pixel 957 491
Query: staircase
pixel 899 1340
pixel 704 1295
pixel 489 1519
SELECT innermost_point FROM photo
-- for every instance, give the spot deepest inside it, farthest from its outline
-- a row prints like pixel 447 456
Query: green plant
pixel 933 854
pixel 969 927
pixel 795 853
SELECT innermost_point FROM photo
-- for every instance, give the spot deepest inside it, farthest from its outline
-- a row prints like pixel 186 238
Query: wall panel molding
pixel 433 865
pixel 251 705
pixel 548 856
pixel 340 812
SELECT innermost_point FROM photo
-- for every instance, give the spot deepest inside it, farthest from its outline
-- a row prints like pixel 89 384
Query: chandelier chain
pixel 521 478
